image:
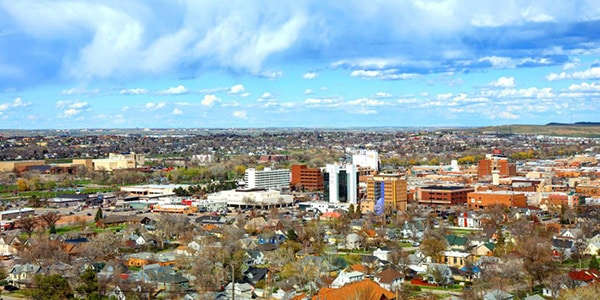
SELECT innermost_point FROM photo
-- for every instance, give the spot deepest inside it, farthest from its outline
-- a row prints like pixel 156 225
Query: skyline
pixel 207 64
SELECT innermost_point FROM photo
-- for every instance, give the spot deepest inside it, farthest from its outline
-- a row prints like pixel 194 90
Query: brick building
pixel 443 195
pixel 306 178
pixel 385 192
pixel 496 163
pixel 477 200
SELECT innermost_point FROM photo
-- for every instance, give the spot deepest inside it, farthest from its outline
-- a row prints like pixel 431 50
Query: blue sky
pixel 355 63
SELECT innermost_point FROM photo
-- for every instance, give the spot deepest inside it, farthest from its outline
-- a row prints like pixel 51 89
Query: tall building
pixel 126 160
pixel 341 184
pixel 267 179
pixel 304 178
pixel 366 158
pixel 478 200
pixel 385 192
pixel 496 164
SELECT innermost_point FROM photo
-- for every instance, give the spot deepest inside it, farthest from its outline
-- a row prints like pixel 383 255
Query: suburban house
pixel 389 279
pixel 347 277
pixel 21 275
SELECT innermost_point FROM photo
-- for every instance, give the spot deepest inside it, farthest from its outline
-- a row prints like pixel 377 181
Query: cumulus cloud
pixel 178 90
pixel 154 106
pixel 62 104
pixel 136 91
pixel 177 111
pixel 507 115
pixel 308 92
pixel 383 95
pixel 240 114
pixel 585 87
pixel 310 75
pixel 237 89
pixel 210 100
pixel 592 73
pixel 504 82
pixel 266 96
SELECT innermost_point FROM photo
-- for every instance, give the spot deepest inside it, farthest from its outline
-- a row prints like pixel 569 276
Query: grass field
pixel 553 130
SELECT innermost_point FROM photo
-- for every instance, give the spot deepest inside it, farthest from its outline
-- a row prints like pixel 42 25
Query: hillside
pixel 554 129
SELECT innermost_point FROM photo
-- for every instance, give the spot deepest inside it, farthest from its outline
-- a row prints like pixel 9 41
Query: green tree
pixel 98 216
pixel 89 287
pixel 594 263
pixel 53 287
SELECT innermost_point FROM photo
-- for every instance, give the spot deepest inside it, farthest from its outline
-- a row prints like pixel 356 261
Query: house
pixel 469 220
pixel 253 275
pixel 164 278
pixel 382 254
pixel 255 257
pixel 347 277
pixel 256 225
pixel 390 279
pixel 439 274
pixel 485 249
pixel 454 258
pixel 21 275
pixel 270 238
pixel 562 248
pixel 117 294
pixel 585 276
pixel 456 242
pixel 241 291
pixel 364 290
pixel 593 246
pixel 353 241
pixel 534 297
pixel 497 295
pixel 9 244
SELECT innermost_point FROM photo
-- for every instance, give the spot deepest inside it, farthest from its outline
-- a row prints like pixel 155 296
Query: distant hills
pixel 579 129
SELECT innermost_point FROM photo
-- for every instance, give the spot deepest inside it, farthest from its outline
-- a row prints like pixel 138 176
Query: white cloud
pixel 266 96
pixel 155 106
pixel 4 106
pixel 78 105
pixel 136 91
pixel 592 73
pixel 383 95
pixel 507 115
pixel 236 89
pixel 269 74
pixel 210 100
pixel 389 74
pixel 308 92
pixel 504 82
pixel 177 111
pixel 178 90
pixel 585 87
pixel 310 75
pixel 245 95
pixel 71 112
pixel 240 114
pixel 365 102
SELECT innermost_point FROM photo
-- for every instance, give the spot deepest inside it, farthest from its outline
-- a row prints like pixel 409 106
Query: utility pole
pixel 232 283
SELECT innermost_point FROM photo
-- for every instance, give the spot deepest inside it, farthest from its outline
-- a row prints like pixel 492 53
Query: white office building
pixel 267 179
pixel 366 158
pixel 341 183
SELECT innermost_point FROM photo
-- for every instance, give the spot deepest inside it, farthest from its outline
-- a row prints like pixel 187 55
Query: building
pixel 385 192
pixel 267 179
pixel 250 198
pixel 495 164
pixel 304 178
pixel 115 161
pixel 366 158
pixel 13 166
pixel 477 200
pixel 340 183
pixel 14 214
pixel 443 195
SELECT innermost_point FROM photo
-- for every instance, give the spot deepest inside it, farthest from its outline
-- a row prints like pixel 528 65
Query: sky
pixel 303 63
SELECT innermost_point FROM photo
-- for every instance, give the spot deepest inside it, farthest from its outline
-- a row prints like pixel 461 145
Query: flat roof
pixel 445 187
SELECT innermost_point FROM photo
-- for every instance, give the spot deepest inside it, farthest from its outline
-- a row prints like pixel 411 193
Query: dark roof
pixel 72 196
pixel 563 244
pixel 444 188
pixel 455 240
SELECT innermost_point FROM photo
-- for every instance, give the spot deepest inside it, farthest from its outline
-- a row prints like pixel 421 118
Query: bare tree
pixel 27 224
pixel 50 218
pixel 103 246
pixel 44 252
pixel 433 245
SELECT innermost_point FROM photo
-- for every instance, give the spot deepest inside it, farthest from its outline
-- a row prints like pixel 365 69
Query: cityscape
pixel 296 150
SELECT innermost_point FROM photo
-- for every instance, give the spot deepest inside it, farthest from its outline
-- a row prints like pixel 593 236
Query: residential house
pixel 390 279
pixel 454 258
pixel 347 277
pixel 253 275
pixel 439 274
pixel 242 291
pixel 456 242
pixel 270 238
pixel 10 244
pixel 469 220
pixel 256 225
pixel 498 295
pixel 486 249
pixel 164 278
pixel 593 246
pixel 21 275
pixel 255 257
pixel 382 254
pixel 364 290
pixel 353 242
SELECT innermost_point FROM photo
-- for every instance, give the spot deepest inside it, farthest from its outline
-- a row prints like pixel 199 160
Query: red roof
pixel 585 275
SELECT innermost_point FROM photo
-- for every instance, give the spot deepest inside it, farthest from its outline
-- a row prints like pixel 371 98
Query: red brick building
pixel 303 177
pixel 443 195
pixel 477 200
pixel 496 163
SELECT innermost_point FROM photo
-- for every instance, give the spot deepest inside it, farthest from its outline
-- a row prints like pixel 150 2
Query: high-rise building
pixel 496 164
pixel 304 178
pixel 443 195
pixel 267 179
pixel 366 158
pixel 385 192
pixel 340 183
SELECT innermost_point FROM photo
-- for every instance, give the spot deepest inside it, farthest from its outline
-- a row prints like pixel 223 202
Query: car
pixel 89 214
pixel 10 288
pixel 416 244
pixel 71 213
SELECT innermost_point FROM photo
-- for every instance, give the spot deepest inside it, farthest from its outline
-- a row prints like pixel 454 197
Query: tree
pixel 27 224
pixel 594 263
pixel 50 218
pixel 44 252
pixel 22 185
pixel 89 287
pixel 537 259
pixel 433 245
pixel 53 287
pixel 98 216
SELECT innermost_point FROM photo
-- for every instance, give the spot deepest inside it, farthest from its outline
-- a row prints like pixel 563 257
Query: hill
pixel 582 129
